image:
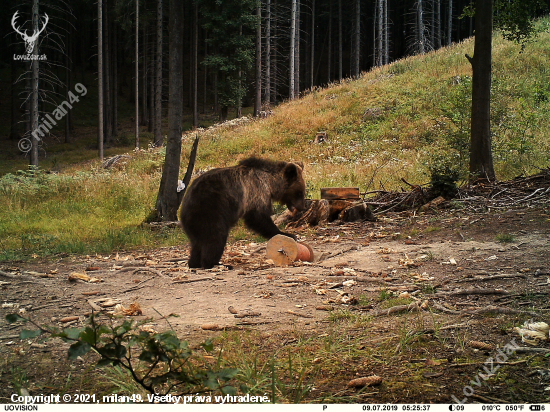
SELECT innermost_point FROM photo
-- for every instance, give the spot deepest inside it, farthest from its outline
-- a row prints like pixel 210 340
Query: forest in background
pixel 319 41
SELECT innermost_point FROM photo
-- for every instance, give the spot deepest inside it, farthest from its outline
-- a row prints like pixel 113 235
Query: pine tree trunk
pixel 450 23
pixel 329 48
pixel 357 54
pixel 274 60
pixel 421 39
pixel 380 34
pixel 481 158
pixel 115 80
pixel 312 52
pixel 107 77
pixel 195 66
pixel 258 86
pixel 137 144
pixel 340 41
pixel 292 49
pixel 100 76
pixel 297 54
pixel 386 34
pixel 150 67
pixel 267 95
pixel 34 87
pixel 167 200
pixel 158 79
pixel 14 129
pixel 144 95
pixel 438 23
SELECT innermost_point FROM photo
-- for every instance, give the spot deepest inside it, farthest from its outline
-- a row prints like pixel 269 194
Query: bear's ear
pixel 290 172
pixel 299 164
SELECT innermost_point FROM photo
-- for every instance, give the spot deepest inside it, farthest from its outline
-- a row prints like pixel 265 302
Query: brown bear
pixel 220 197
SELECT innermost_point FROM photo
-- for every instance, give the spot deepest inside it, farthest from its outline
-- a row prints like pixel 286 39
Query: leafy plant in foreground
pixel 159 362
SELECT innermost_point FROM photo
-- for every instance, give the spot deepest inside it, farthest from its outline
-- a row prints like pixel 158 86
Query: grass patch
pixel 505 238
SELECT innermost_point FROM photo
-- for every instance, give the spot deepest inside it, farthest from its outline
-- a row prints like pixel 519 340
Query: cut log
pixel 317 214
pixel 360 211
pixel 333 193
pixel 283 251
pixel 433 204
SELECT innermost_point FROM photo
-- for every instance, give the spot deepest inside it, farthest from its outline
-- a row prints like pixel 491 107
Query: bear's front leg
pixel 262 224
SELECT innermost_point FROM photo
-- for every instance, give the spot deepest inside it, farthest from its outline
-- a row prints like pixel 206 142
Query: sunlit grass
pixel 386 126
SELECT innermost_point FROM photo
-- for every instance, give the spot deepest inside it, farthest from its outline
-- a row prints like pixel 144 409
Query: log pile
pixel 342 204
pixel 349 205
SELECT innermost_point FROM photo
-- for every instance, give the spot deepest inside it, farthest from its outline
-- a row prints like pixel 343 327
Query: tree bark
pixel 340 42
pixel 292 49
pixel 67 80
pixel 137 75
pixel 481 158
pixel 420 35
pixel 158 79
pixel 258 85
pixel 438 23
pixel 297 53
pixel 195 66
pixel 167 200
pixel 380 34
pixel 100 76
pixel 267 95
pixel 115 80
pixel 34 87
pixel 386 34
pixel 450 22
pixel 312 48
pixel 357 54
pixel 329 48
pixel 14 129
pixel 107 77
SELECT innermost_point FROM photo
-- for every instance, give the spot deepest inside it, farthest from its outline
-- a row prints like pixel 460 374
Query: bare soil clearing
pixel 467 285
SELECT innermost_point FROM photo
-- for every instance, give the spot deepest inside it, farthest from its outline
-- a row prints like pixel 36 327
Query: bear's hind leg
pixel 212 252
pixel 195 256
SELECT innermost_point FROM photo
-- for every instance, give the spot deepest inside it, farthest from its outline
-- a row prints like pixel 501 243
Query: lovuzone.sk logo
pixel 30 41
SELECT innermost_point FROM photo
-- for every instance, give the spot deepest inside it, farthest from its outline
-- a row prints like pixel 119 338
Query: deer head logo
pixel 29 40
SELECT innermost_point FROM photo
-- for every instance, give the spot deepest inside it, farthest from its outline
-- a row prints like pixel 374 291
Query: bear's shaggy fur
pixel 220 197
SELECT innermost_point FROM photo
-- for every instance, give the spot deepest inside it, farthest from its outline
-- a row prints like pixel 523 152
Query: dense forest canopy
pixel 318 41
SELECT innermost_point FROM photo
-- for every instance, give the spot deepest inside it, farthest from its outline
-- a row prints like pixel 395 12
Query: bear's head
pixel 295 188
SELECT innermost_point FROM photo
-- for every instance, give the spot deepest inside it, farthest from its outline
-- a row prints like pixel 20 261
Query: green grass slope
pixel 398 121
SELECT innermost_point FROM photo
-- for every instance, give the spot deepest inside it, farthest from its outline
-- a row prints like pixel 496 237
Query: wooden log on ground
pixel 359 211
pixel 345 193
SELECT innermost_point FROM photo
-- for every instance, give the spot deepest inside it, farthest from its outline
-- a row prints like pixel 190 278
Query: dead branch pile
pixel 530 190
pixel 480 197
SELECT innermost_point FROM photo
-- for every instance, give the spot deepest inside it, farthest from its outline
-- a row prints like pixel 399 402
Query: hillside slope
pixel 394 122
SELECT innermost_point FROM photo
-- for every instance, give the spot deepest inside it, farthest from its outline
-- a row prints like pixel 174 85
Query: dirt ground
pixel 469 276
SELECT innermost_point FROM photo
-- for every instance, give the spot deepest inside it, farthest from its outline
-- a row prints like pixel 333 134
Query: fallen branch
pixel 458 365
pixel 472 291
pixel 446 310
pixel 144 269
pixel 487 400
pixel 525 349
pixel 500 310
pixel 94 306
pixel 489 278
pixel 191 280
pixel 412 307
pixel 302 315
pixel 455 326
pixel 138 286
